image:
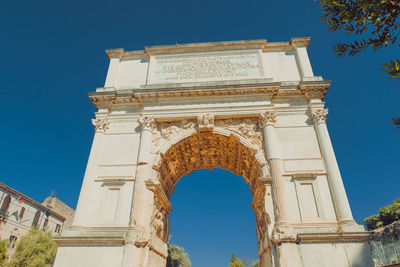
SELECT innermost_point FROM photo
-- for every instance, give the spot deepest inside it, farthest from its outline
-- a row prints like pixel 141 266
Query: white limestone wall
pixel 308 198
pixel 332 254
pixel 89 256
pixel 106 194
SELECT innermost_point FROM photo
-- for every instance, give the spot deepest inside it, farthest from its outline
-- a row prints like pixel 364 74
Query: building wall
pixel 60 207
pixel 12 225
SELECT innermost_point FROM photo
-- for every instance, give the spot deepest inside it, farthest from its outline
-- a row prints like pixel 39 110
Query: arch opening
pixel 208 150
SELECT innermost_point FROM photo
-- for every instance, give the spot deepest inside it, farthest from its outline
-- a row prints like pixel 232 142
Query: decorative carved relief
pixel 206 150
pixel 159 223
pixel 101 125
pixel 268 118
pixel 247 128
pixel 205 121
pixel 319 115
pixel 146 123
pixel 170 129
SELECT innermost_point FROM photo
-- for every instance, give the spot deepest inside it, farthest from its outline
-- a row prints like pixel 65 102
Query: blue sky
pixel 53 54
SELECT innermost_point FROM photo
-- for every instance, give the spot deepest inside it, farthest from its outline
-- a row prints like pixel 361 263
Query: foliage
pixel 377 20
pixel 3 252
pixel 243 262
pixel 386 216
pixel 177 257
pixel 235 262
pixel 36 249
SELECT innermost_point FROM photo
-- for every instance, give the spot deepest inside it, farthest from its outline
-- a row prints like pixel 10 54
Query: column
pixel 136 249
pixel 268 120
pixel 339 195
pixel 140 192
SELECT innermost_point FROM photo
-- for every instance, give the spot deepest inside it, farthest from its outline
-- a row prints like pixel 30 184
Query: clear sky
pixel 52 54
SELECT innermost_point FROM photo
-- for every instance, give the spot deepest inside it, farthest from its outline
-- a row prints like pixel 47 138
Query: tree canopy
pixel 3 252
pixel 177 257
pixel 386 216
pixel 235 262
pixel 377 21
pixel 36 249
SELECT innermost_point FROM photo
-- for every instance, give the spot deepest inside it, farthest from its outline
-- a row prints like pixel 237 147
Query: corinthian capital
pixel 146 123
pixel 268 118
pixel 319 115
pixel 101 125
pixel 206 121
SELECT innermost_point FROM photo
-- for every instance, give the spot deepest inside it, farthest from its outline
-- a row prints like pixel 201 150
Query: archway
pixel 211 218
pixel 208 149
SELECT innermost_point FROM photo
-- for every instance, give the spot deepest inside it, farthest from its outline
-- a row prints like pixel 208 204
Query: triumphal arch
pixel 254 108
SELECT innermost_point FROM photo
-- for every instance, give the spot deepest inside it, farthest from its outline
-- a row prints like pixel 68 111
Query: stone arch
pixel 208 150
pixel 184 151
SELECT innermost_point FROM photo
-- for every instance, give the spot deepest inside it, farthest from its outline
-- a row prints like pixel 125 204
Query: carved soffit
pixel 206 150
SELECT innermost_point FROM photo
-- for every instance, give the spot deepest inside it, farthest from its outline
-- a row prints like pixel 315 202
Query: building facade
pixel 251 107
pixel 19 213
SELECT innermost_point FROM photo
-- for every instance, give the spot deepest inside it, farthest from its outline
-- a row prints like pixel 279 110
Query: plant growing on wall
pixel 386 216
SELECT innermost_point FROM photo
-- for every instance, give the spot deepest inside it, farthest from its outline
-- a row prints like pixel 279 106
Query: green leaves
pixel 177 257
pixel 377 19
pixel 36 249
pixel 3 252
pixel 386 216
pixel 393 68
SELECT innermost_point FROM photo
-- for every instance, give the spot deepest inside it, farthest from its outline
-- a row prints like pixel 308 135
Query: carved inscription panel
pixel 205 67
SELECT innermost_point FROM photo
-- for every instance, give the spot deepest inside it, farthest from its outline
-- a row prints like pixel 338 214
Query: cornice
pixel 207 47
pixel 333 237
pixel 206 92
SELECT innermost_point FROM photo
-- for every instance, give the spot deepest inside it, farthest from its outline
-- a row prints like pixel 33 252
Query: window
pixel 13 240
pixel 21 213
pixel 46 222
pixel 6 203
pixel 36 219
pixel 58 228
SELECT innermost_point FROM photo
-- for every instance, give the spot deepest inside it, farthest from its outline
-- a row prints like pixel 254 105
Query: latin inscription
pixel 208 67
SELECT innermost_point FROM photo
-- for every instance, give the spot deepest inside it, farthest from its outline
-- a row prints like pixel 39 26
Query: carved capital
pixel 101 125
pixel 205 121
pixel 319 115
pixel 268 118
pixel 146 123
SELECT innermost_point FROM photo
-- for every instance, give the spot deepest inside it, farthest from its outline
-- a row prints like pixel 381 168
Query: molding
pixel 207 47
pixel 333 237
pixel 305 175
pixel 206 91
pixel 159 195
pixel 80 240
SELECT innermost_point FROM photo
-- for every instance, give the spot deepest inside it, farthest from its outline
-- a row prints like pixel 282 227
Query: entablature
pixel 226 91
